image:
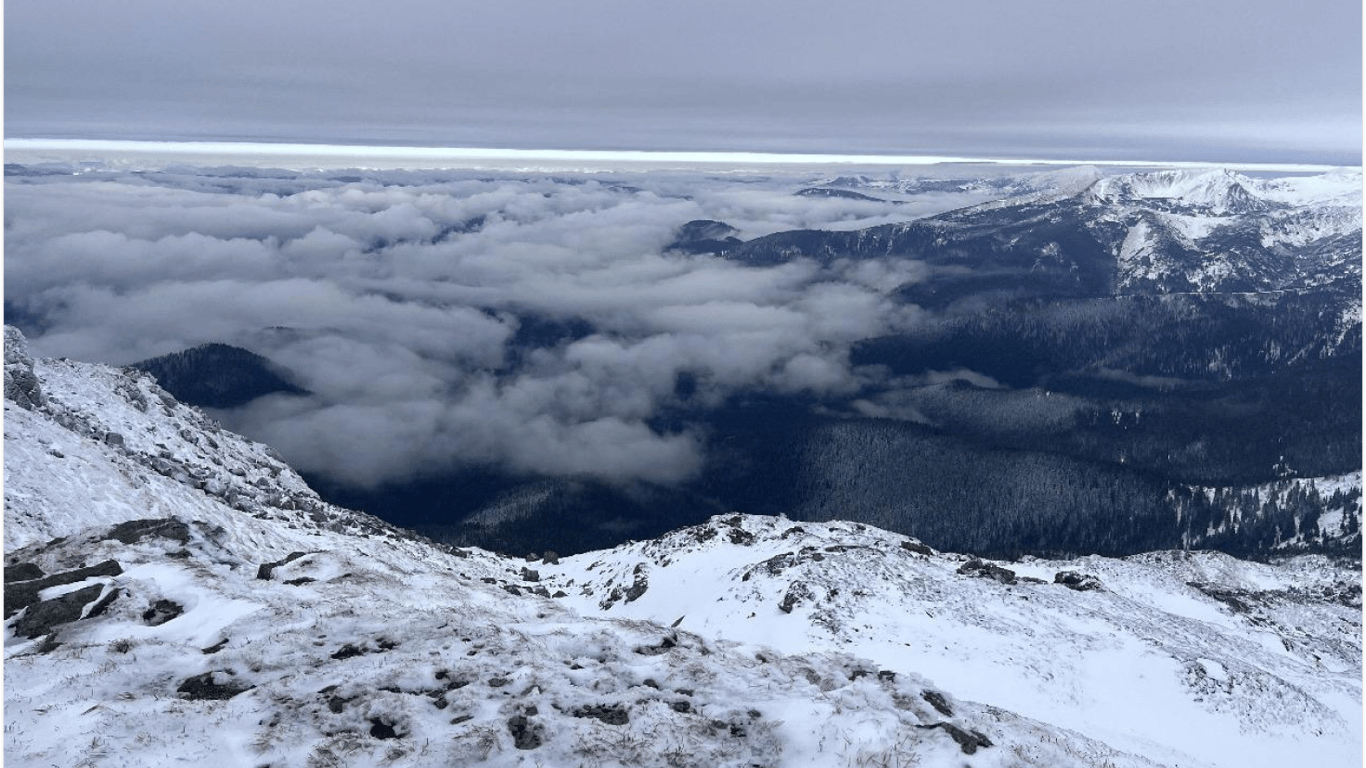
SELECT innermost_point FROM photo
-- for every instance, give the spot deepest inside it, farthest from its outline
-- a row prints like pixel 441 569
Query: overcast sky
pixel 1157 80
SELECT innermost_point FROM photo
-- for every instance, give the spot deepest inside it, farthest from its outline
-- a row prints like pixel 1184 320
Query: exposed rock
pixel 39 619
pixel 639 584
pixel 22 572
pixel 937 700
pixel 382 730
pixel 205 687
pixel 654 650
pixel 775 565
pixel 348 651
pixel 21 384
pixel 161 612
pixel 968 741
pixel 612 714
pixel 987 570
pixel 740 536
pixel 916 547
pixel 21 594
pixel 134 531
pixel 265 570
pixel 1082 582
pixel 525 734
pixel 797 593
pixel 1240 601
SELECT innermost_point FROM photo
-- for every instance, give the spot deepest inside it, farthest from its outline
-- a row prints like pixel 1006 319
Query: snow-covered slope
pixel 1213 231
pixel 1224 191
pixel 1162 232
pixel 1187 658
pixel 175 593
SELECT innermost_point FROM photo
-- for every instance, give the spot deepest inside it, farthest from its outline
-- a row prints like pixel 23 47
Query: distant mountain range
pixel 1107 364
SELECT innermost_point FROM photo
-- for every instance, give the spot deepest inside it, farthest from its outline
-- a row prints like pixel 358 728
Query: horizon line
pixel 473 154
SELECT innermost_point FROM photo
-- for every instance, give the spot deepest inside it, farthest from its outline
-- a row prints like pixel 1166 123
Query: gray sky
pixel 1092 79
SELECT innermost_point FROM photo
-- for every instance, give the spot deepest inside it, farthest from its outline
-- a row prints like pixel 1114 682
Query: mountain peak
pixel 1218 191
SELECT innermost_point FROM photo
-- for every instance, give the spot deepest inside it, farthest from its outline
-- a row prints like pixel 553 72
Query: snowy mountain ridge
pixel 1218 230
pixel 1175 231
pixel 175 592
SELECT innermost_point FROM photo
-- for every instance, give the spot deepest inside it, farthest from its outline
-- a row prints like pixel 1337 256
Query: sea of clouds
pixel 413 305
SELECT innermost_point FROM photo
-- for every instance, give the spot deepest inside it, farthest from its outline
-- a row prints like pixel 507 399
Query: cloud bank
pixel 443 320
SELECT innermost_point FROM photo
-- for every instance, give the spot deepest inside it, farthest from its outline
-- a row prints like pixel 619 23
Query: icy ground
pixel 243 621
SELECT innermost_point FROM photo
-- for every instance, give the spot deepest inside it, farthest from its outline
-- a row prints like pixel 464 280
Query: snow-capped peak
pixel 1217 191
pixel 1222 191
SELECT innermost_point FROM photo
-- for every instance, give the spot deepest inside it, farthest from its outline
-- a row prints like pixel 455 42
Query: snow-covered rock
pixel 21 383
pixel 1193 658
pixel 178 594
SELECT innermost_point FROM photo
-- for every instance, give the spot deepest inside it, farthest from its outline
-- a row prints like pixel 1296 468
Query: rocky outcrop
pixel 1081 582
pixel 21 384
pixel 985 570
pixel 22 594
pixel 41 618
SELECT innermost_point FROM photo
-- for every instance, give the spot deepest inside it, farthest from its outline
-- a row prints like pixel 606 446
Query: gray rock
pixel 161 612
pixel 22 594
pixel 21 383
pixel 1081 582
pixel 39 619
pixel 133 531
pixel 968 741
pixel 987 570
pixel 525 733
pixel 207 687
pixel 614 714
pixel 264 571
pixel 22 572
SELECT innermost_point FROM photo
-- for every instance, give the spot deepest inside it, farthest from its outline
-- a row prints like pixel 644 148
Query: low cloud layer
pixel 440 320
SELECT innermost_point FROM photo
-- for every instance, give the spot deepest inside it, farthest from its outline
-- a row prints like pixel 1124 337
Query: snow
pixel 369 626
pixel 1109 664
pixel 1191 230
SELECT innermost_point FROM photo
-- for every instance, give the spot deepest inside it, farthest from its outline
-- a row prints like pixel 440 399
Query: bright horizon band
pixel 479 154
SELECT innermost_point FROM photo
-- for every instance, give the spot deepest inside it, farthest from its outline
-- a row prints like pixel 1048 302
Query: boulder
pixel 985 570
pixel 21 383
pixel 1081 582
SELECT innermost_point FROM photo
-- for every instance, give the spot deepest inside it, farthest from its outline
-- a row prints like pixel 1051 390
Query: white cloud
pixel 394 304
